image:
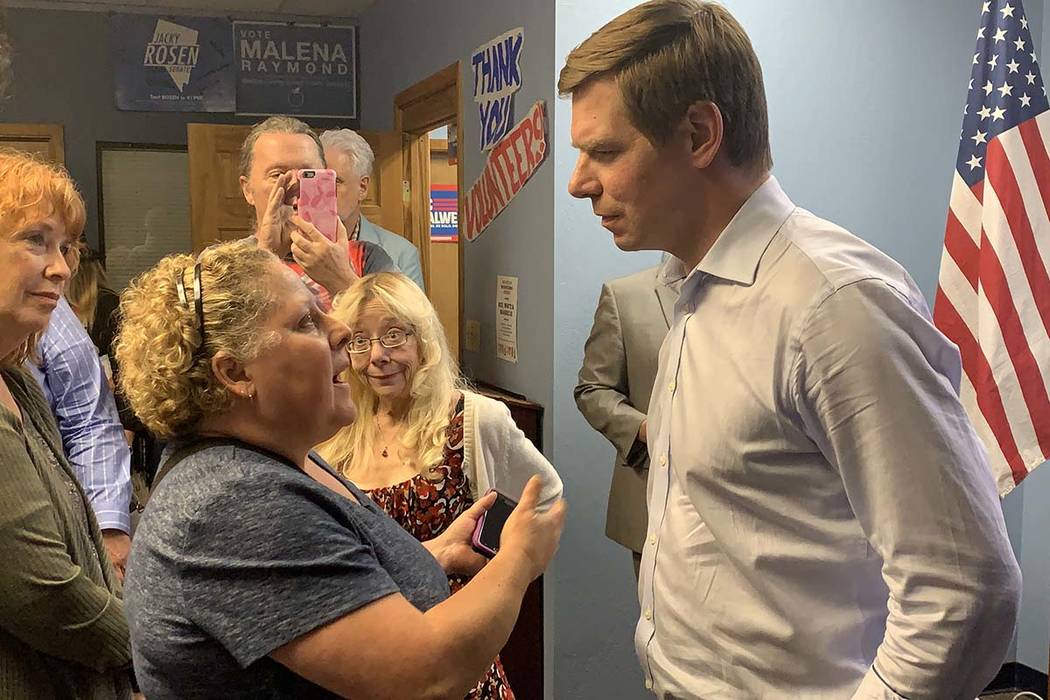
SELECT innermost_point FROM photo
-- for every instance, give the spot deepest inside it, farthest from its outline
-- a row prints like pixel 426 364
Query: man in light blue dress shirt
pixel 76 387
pixel 352 158
pixel 822 520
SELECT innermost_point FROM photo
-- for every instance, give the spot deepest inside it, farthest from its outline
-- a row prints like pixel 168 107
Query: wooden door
pixel 383 203
pixel 217 206
pixel 45 140
pixel 218 211
pixel 444 283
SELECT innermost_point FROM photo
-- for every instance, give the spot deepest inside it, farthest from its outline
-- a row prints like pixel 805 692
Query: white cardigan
pixel 496 454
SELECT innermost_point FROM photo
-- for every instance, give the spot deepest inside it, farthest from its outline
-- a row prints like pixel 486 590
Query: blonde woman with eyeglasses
pixel 424 447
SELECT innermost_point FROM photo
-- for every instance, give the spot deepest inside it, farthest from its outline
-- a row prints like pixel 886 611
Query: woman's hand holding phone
pixel 453 549
pixel 532 535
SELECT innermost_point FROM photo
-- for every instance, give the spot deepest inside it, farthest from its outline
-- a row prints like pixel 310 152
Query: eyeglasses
pixel 393 338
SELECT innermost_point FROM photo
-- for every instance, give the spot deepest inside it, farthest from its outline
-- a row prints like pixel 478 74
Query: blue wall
pixel 865 107
pixel 404 41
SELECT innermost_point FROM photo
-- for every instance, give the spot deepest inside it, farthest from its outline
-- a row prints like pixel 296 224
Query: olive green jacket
pixel 62 627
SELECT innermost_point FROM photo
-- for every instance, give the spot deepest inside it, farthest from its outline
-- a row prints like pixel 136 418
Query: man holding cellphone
pixel 822 520
pixel 353 160
pixel 271 156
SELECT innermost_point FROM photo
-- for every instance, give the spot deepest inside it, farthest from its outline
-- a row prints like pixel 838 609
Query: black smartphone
pixel 490 525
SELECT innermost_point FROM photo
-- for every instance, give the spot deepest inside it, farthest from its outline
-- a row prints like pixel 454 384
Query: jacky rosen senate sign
pixel 510 164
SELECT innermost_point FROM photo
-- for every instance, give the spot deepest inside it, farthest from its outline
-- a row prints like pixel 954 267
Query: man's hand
pixel 452 548
pixel 270 230
pixel 118 545
pixel 643 432
pixel 326 262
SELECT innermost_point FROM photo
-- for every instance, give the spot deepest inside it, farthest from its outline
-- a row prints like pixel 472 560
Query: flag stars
pixel 984 112
pixel 1000 35
pixel 1025 99
pixel 998 113
pixel 985 7
pixel 1019 44
pixel 1007 11
pixel 1005 89
pixel 980 32
pixel 1033 57
pixel 1013 66
pixel 1030 77
pixel 988 88
pixel 974 162
pixel 979 138
pixel 1024 22
pixel 992 63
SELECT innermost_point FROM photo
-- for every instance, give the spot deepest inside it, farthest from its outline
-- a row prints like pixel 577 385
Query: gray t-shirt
pixel 240 552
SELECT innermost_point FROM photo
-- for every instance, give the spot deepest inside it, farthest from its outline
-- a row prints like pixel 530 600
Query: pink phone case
pixel 508 505
pixel 317 201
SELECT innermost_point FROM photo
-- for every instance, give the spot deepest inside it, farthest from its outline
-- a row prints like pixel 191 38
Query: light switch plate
pixel 472 336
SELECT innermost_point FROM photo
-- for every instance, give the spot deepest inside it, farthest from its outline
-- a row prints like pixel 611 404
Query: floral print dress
pixel 426 507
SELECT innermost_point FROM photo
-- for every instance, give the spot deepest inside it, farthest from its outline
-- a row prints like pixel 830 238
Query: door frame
pixel 53 134
pixel 431 102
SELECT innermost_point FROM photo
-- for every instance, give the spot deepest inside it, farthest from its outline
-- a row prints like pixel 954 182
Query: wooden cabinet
pixel 523 655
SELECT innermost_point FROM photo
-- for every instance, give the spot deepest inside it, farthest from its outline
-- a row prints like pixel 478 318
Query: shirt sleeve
pixel 408 262
pixel 875 383
pixel 87 416
pixel 267 560
pixel 46 600
pixel 377 259
pixel 514 458
pixel 603 386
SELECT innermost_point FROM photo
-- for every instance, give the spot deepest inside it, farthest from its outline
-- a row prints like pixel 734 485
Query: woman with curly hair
pixel 257 570
pixel 62 628
pixel 424 447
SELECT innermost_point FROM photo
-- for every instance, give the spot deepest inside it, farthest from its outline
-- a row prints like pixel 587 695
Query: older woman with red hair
pixel 62 627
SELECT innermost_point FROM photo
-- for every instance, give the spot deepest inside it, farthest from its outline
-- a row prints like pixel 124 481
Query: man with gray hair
pixel 271 156
pixel 352 158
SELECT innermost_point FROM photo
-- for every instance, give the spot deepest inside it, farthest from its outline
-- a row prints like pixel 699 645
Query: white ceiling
pixel 322 9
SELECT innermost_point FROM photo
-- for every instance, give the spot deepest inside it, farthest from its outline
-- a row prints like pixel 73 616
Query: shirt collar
pixel 739 248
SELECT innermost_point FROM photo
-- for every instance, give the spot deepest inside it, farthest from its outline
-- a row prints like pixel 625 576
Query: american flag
pixel 993 295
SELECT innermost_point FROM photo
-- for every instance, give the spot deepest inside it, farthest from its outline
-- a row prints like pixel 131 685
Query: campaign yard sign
pixel 306 70
pixel 444 217
pixel 172 64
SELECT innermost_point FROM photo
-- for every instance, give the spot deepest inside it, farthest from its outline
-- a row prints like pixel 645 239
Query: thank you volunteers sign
pixel 508 167
pixel 496 66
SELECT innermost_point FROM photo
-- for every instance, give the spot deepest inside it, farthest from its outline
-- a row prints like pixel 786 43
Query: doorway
pixel 428 106
pixel 444 231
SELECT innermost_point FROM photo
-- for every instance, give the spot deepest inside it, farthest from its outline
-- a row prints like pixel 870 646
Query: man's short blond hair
pixel 668 54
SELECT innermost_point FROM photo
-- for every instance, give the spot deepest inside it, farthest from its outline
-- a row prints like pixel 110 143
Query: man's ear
pixel 247 192
pixel 231 374
pixel 364 185
pixel 705 127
